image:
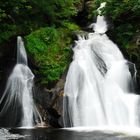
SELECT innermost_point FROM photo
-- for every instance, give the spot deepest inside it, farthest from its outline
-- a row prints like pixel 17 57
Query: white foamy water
pixel 125 131
pixel 99 84
pixel 17 97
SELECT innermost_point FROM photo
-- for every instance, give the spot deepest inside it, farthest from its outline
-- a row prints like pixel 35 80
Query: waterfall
pixel 21 52
pixel 99 85
pixel 17 97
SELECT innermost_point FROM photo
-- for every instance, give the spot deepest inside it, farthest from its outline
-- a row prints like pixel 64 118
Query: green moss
pixel 50 49
pixel 69 25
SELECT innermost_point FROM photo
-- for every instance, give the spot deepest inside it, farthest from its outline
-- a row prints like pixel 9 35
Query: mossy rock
pixel 50 49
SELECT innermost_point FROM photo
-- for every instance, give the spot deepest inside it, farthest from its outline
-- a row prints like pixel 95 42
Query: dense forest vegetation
pixel 48 28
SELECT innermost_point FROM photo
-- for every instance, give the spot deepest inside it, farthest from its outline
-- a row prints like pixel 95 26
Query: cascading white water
pixel 99 84
pixel 21 52
pixel 18 92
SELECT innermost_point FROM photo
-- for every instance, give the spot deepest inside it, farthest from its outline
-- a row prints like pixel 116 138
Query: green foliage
pixel 124 33
pixel 69 25
pixel 50 49
pixel 125 15
pixel 7 31
pixel 116 8
pixel 29 15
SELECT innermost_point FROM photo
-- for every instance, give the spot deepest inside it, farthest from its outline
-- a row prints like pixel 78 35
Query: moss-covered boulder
pixel 49 48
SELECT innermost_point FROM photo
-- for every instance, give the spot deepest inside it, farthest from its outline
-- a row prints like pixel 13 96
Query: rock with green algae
pixel 49 49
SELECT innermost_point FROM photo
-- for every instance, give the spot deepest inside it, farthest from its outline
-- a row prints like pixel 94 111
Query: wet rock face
pixel 50 103
pixel 138 76
pixel 85 12
pixel 138 41
pixel 136 57
pixel 136 38
pixel 7 61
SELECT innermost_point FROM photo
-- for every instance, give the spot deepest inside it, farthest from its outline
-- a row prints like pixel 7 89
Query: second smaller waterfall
pixel 18 96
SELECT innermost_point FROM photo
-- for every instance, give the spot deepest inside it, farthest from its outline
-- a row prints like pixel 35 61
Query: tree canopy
pixel 24 16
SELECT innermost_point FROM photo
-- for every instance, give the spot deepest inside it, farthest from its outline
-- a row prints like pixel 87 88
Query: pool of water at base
pixel 63 134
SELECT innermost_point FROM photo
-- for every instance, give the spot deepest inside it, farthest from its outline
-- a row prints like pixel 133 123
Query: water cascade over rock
pixel 99 84
pixel 17 97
